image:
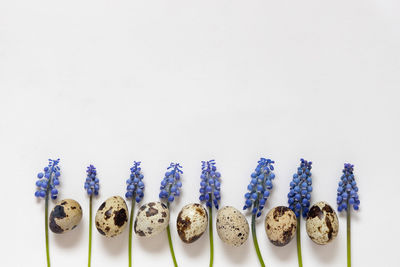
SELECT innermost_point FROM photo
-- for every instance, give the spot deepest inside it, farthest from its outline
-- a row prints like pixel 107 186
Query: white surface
pixel 110 82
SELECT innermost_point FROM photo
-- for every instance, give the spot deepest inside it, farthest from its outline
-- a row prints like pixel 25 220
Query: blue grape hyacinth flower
pixel 92 188
pixel 210 193
pixel 347 193
pixel 134 192
pixel 171 183
pixel 258 192
pixel 45 186
pixel 260 186
pixel 347 196
pixel 48 180
pixel 92 182
pixel 299 197
pixel 210 185
pixel 170 189
pixel 300 189
pixel 135 185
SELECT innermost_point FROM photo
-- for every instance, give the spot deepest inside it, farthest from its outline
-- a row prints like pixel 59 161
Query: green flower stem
pixel 299 243
pixel 130 230
pixel 254 234
pixel 46 217
pixel 46 224
pixel 210 232
pixel 171 247
pixel 348 237
pixel 90 232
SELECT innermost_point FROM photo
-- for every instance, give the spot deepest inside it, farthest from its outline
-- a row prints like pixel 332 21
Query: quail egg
pixel 192 222
pixel 232 226
pixel 280 225
pixel 112 216
pixel 65 216
pixel 151 219
pixel 322 223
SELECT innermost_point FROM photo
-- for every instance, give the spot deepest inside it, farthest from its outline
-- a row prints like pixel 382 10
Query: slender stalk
pixel 90 232
pixel 46 217
pixel 130 230
pixel 299 243
pixel 254 234
pixel 171 247
pixel 348 237
pixel 210 232
pixel 46 225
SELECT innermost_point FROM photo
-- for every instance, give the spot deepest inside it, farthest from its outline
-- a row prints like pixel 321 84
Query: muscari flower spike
pixel 260 186
pixel 48 179
pixel 171 184
pixel 92 182
pixel 134 192
pixel 135 185
pixel 210 187
pixel 210 184
pixel 169 189
pixel 46 184
pixel 300 189
pixel 92 188
pixel 347 193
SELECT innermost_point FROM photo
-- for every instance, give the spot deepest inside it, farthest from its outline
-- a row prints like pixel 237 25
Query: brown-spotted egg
pixel 65 216
pixel 192 222
pixel 322 223
pixel 151 219
pixel 232 226
pixel 112 216
pixel 280 225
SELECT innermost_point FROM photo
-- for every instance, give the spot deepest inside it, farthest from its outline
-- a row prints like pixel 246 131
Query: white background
pixel 110 82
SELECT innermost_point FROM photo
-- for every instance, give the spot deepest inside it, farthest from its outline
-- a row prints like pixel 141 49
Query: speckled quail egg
pixel 112 216
pixel 232 226
pixel 191 222
pixel 280 225
pixel 65 216
pixel 151 219
pixel 322 223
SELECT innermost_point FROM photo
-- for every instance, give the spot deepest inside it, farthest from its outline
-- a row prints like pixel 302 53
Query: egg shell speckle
pixel 151 219
pixel 232 226
pixel 192 222
pixel 322 223
pixel 65 216
pixel 112 216
pixel 280 225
